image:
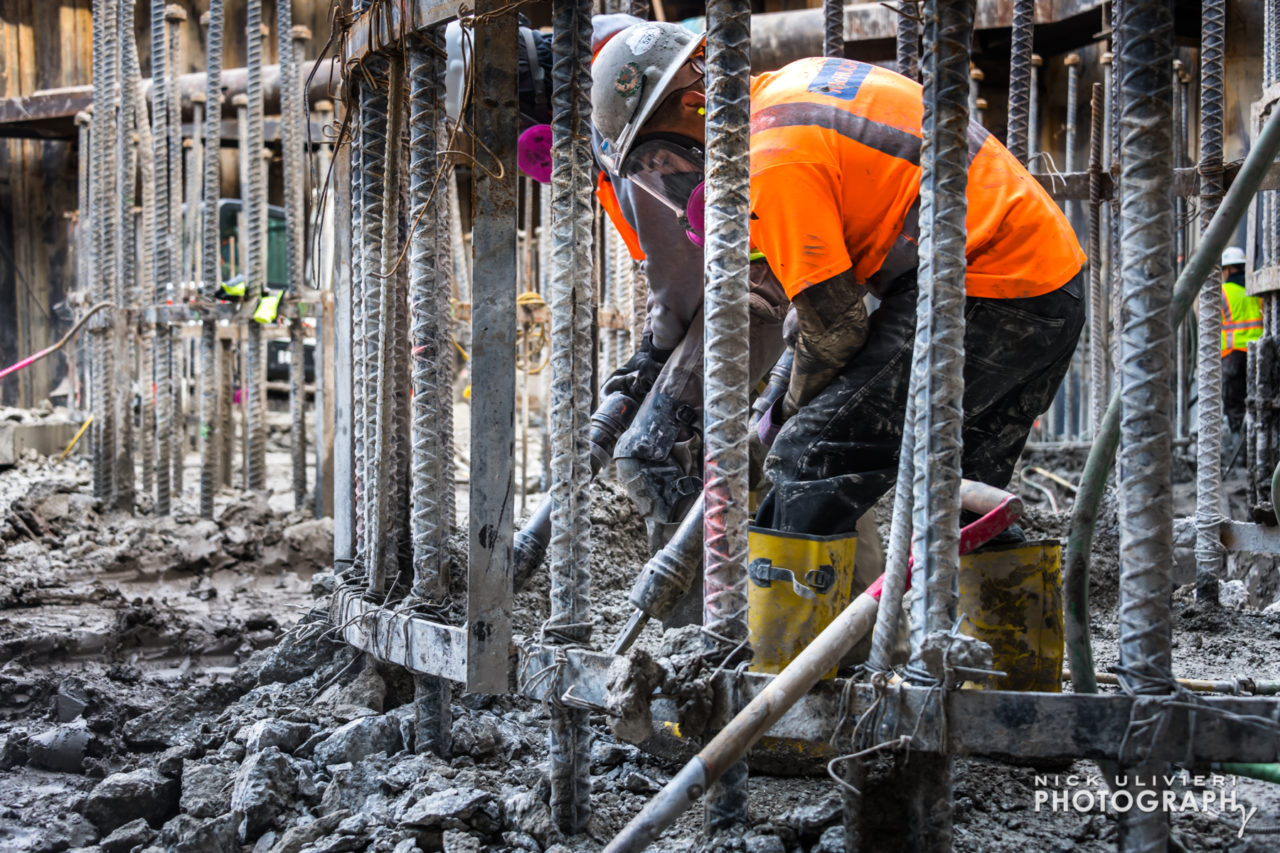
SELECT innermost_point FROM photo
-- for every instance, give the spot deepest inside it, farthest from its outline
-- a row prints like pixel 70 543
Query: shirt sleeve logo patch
pixel 840 78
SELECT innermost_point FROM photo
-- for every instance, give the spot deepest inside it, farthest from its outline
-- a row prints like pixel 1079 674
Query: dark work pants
pixel 835 458
pixel 1235 366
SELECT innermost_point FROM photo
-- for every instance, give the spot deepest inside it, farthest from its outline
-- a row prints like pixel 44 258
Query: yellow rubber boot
pixel 796 585
pixel 1011 598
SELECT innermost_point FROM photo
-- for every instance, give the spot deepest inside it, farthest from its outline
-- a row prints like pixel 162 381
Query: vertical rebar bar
pixel 157 215
pixel 1033 113
pixel 372 167
pixel 194 172
pixel 725 415
pixel 226 424
pixel 256 264
pixel 1111 156
pixel 210 260
pixel 833 28
pixel 1181 336
pixel 323 262
pixel 83 248
pixel 907 41
pixel 383 531
pixel 127 267
pixel 889 612
pixel 144 288
pixel 175 16
pixel 338 218
pixel 447 351
pixel 105 216
pixel 571 299
pixel 1024 13
pixel 939 395
pixel 1098 395
pixel 292 146
pixel 1208 549
pixel 1146 504
pixel 942 267
pixel 361 141
pixel 431 471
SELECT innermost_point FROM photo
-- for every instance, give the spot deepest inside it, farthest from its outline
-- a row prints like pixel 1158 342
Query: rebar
pixel 157 214
pixel 104 213
pixel 1071 408
pixel 833 28
pixel 446 351
pixel 571 300
pixel 1024 12
pixel 1181 342
pixel 940 316
pixel 1112 158
pixel 322 261
pixel 127 267
pixel 372 167
pixel 1146 503
pixel 293 149
pixel 428 527
pixel 725 364
pixel 384 476
pixel 907 41
pixel 83 244
pixel 210 260
pixel 1208 549
pixel 1097 301
pixel 338 219
pixel 226 424
pixel 256 262
pixel 1033 114
pixel 940 385
pixel 895 565
pixel 362 139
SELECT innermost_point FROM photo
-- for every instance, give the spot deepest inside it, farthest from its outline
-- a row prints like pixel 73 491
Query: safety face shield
pixel 669 167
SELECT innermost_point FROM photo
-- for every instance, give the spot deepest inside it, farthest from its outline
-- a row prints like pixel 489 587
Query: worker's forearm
pixel 833 328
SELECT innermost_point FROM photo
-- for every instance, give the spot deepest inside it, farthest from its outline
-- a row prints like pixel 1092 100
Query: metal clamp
pixel 820 580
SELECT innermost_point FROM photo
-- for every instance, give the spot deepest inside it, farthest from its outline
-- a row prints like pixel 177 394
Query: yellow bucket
pixel 1011 598
pixel 796 585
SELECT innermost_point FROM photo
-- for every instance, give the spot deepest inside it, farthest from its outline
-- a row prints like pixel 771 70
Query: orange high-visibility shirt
pixel 835 184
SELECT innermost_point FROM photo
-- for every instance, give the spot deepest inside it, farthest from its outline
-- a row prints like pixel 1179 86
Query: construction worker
pixel 835 172
pixel 1241 323
pixel 659 457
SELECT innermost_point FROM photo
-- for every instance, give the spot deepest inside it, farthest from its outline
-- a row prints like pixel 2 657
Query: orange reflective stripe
pixel 609 201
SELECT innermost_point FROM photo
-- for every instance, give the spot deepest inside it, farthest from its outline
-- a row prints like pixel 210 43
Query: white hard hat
pixel 632 75
pixel 1233 256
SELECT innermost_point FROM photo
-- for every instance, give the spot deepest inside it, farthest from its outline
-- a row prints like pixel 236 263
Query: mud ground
pixel 172 684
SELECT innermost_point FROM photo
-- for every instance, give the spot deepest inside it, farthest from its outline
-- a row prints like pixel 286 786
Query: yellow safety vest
pixel 1241 318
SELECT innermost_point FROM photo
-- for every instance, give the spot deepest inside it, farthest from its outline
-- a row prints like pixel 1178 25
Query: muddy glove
pixel 637 376
pixel 833 326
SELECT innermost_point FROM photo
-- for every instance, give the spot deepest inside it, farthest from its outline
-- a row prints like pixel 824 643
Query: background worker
pixel 835 153
pixel 1241 323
